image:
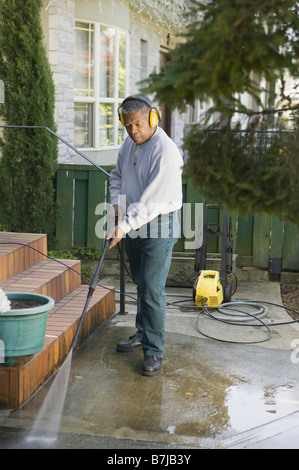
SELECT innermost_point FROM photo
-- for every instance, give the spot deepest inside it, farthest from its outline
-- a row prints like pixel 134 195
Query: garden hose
pixel 239 318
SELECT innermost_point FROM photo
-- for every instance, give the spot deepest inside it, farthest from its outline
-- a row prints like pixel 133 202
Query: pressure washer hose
pixel 236 317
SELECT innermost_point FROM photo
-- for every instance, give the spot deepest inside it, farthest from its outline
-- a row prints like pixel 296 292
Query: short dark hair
pixel 133 105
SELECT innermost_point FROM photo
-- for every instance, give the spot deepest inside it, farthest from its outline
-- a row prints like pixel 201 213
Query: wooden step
pixel 15 258
pixel 48 277
pixel 19 382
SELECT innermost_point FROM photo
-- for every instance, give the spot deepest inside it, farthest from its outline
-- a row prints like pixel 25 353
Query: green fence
pixel 79 190
pixel 259 239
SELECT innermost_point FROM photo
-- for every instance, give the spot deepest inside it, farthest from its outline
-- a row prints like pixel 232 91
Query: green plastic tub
pixel 22 330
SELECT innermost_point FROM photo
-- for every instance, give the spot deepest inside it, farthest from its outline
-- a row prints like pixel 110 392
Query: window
pixel 100 84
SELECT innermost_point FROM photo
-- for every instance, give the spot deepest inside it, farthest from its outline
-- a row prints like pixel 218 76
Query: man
pixel 146 186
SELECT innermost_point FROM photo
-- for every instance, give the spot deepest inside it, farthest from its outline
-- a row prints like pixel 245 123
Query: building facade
pixel 99 51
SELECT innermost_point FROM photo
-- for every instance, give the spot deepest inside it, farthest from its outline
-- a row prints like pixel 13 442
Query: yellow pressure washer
pixel 208 289
pixel 211 288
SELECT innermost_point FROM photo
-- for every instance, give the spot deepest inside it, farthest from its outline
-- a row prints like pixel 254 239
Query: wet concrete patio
pixel 240 392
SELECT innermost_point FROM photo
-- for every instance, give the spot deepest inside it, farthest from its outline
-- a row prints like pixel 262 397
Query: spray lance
pixel 94 281
pixel 122 267
pixel 92 287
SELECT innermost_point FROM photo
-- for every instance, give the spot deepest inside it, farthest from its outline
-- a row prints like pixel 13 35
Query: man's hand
pixel 115 236
pixel 114 233
pixel 115 216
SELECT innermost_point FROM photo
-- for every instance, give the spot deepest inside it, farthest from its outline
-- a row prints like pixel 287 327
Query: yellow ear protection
pixel 153 117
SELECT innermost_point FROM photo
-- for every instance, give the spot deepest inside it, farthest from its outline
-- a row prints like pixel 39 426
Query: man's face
pixel 138 127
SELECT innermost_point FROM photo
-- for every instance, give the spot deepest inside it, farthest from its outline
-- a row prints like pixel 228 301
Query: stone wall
pixel 61 35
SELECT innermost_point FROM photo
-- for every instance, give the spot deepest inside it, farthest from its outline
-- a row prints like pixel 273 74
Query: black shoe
pixel 131 344
pixel 152 365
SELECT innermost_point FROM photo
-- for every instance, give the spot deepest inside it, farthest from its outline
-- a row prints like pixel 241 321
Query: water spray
pixel 46 426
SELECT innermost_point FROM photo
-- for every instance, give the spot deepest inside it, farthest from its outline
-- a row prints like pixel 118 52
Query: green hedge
pixel 247 171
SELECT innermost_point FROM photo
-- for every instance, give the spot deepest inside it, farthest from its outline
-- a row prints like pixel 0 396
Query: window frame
pixel 96 100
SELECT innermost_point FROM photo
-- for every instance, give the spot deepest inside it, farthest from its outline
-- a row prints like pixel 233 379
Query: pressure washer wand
pixel 92 288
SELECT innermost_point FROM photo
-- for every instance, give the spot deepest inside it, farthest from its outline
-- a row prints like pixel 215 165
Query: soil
pixel 290 298
pixel 18 304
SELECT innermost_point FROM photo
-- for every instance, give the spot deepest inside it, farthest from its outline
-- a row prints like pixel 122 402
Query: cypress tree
pixel 28 156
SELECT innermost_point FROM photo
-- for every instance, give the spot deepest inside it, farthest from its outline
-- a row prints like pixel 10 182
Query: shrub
pixel 29 156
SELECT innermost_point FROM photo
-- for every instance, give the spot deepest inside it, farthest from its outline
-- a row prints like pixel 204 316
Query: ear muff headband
pixel 153 117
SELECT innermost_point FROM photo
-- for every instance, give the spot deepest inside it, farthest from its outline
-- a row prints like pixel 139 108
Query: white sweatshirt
pixel 147 180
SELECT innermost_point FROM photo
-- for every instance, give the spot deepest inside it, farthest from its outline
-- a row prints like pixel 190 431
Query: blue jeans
pixel 149 259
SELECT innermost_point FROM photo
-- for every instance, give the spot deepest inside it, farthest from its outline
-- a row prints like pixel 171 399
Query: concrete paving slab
pixel 212 394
